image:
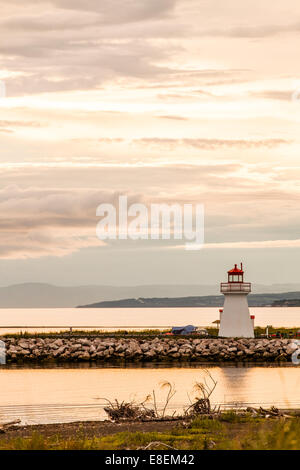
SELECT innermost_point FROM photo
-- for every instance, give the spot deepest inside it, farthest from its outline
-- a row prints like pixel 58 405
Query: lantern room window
pixel 235 278
pixel 236 275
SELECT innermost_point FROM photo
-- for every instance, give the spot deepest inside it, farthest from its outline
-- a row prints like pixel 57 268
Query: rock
pixel 84 356
pixel 175 355
pixel 266 354
pixel 26 352
pixel 150 354
pixel 59 350
pixel 191 349
pixel 40 341
pixel 291 348
pixel 36 352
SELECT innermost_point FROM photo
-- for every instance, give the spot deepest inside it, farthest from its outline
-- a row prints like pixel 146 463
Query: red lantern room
pixel 235 283
pixel 236 274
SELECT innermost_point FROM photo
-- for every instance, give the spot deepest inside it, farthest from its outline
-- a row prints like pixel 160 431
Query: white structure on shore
pixel 235 320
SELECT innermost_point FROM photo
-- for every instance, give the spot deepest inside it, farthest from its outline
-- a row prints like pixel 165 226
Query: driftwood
pixel 128 411
pixel 165 418
pixel 5 426
pixel 202 405
pixel 273 412
pixel 132 411
pixel 155 444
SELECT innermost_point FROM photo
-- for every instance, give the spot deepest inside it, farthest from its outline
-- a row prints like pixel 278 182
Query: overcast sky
pixel 174 101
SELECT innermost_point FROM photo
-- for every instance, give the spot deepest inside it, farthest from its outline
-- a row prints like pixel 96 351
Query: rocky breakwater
pixel 158 349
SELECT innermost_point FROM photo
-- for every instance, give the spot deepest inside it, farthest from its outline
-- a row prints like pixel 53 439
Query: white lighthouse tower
pixel 235 320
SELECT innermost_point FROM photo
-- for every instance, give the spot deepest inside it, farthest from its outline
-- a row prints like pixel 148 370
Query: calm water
pixel 138 317
pixel 49 395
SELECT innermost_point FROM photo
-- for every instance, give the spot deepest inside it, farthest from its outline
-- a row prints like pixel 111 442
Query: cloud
pixel 120 11
pixel 245 245
pixel 7 127
pixel 176 118
pixel 33 124
pixel 274 95
pixel 123 12
pixel 210 144
pixel 111 11
pixel 81 45
pixel 241 203
pixel 54 64
pixel 116 140
pixel 205 144
pixel 49 222
pixel 53 21
pixel 246 31
pixel 257 244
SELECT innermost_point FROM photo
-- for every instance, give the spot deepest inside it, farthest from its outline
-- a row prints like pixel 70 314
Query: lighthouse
pixel 235 320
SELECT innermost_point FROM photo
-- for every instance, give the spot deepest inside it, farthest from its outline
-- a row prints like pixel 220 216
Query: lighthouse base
pixel 235 321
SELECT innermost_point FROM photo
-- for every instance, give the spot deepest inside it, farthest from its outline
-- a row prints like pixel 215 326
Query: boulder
pixel 291 348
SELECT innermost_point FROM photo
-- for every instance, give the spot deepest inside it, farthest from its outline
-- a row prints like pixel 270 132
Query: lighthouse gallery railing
pixel 235 287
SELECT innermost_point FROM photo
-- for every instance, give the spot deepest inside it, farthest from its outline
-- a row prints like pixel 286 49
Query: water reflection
pixel 235 385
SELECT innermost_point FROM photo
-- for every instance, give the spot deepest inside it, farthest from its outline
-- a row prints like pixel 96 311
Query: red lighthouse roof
pixel 236 270
pixel 235 283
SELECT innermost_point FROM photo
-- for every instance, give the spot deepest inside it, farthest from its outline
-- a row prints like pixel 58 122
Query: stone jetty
pixel 75 349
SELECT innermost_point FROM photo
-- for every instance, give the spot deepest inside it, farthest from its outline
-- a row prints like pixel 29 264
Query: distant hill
pixel 207 301
pixel 286 303
pixel 41 295
pixel 255 300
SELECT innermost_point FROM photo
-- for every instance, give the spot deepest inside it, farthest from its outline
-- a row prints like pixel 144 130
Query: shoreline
pixel 106 427
pixel 91 428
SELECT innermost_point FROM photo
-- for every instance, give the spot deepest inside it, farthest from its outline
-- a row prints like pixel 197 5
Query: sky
pixel 165 101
